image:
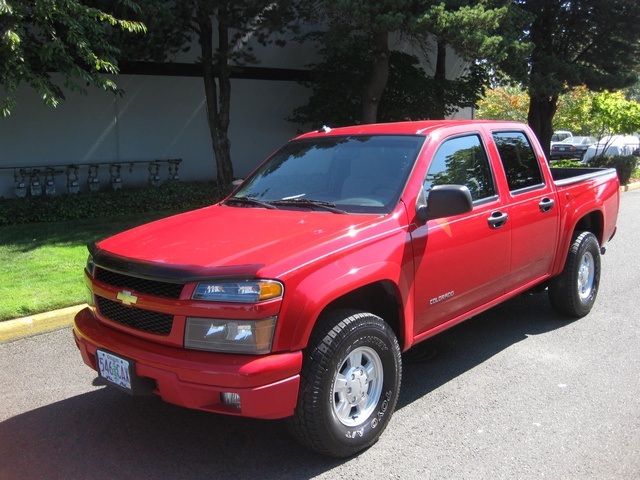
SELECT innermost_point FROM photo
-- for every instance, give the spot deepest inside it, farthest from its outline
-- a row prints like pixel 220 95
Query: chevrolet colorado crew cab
pixel 295 296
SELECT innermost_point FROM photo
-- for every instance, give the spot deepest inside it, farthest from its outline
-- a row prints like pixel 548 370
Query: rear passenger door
pixel 533 212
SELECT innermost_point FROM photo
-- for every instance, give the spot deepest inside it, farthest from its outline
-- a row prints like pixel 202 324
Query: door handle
pixel 498 219
pixel 546 204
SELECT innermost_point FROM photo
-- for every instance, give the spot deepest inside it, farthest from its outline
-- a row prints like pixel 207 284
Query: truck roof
pixel 421 127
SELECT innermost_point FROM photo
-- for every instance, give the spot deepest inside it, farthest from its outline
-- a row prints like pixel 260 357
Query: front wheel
pixel 349 386
pixel 574 291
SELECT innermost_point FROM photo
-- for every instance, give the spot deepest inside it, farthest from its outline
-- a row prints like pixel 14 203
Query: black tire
pixel 349 384
pixel 574 291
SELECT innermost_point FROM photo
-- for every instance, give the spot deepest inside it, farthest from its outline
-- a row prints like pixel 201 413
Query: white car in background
pixel 612 145
pixel 559 136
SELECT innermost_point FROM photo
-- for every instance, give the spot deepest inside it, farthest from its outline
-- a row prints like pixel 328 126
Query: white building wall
pixel 157 118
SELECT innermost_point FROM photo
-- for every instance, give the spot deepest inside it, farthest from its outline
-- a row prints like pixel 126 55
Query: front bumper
pixel 267 385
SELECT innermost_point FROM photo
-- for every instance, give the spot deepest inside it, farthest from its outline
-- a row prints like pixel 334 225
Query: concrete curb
pixel 631 186
pixel 11 330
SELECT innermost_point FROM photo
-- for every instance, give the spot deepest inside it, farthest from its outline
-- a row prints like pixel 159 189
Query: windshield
pixel 353 174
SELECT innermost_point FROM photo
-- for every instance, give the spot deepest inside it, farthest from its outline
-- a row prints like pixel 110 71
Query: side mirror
pixel 444 201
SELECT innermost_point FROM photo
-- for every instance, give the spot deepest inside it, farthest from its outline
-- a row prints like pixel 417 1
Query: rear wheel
pixel 573 292
pixel 349 386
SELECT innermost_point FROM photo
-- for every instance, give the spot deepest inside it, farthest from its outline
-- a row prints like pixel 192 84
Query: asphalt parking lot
pixel 517 392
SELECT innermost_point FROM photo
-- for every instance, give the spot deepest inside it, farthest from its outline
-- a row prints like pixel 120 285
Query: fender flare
pixel 336 283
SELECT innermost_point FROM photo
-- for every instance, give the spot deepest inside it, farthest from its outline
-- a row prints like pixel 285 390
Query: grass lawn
pixel 41 264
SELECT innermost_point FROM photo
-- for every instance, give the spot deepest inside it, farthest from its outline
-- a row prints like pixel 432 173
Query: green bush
pixel 171 197
pixel 624 165
pixel 566 163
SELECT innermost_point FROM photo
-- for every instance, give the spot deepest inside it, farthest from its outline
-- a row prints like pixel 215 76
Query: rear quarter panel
pixel 596 194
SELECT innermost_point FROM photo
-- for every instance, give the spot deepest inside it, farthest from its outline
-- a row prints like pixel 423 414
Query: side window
pixel 462 161
pixel 519 161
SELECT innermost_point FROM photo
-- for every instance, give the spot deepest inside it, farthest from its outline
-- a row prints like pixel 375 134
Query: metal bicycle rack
pixel 37 181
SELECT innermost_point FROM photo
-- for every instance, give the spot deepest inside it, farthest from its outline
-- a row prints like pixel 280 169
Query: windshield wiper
pixel 250 201
pixel 305 202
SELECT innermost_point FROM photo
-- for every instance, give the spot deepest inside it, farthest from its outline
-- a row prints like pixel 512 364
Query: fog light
pixel 231 399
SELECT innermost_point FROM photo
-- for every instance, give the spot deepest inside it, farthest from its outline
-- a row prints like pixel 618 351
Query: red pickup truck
pixel 295 296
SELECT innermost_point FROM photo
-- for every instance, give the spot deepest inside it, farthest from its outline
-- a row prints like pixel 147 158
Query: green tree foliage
pixel 579 110
pixel 226 32
pixel 368 24
pixel 358 36
pixel 410 94
pixel 625 165
pixel 478 32
pixel 633 93
pixel 237 22
pixel 39 37
pixel 575 112
pixel 504 103
pixel 169 29
pixel 615 114
pixel 583 42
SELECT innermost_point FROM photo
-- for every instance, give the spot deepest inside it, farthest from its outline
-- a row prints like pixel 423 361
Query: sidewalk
pixel 631 186
pixel 35 324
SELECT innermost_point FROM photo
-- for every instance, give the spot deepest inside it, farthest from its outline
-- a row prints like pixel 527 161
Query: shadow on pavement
pixel 444 357
pixel 107 434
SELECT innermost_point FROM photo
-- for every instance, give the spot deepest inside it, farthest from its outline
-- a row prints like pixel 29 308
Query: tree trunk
pixel 218 102
pixel 440 80
pixel 542 109
pixel 379 76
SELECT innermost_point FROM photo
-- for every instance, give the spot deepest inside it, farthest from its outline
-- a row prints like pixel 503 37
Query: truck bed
pixel 567 176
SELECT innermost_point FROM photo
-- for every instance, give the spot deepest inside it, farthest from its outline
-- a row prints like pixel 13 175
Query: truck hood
pixel 223 240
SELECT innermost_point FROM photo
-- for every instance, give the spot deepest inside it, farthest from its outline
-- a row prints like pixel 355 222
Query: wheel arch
pixel 573 292
pixel 380 297
pixel 590 222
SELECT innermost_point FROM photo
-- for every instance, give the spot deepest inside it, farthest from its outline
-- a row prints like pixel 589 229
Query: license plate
pixel 114 369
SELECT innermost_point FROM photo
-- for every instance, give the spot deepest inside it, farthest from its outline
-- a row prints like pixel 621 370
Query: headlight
pixel 230 336
pixel 243 291
pixel 91 267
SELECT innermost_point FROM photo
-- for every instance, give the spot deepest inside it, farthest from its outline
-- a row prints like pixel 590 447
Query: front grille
pixel 141 285
pixel 145 320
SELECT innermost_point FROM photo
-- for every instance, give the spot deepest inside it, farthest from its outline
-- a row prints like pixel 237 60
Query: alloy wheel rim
pixel 357 386
pixel 586 276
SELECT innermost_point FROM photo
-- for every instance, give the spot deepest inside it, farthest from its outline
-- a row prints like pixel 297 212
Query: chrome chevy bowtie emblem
pixel 127 297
